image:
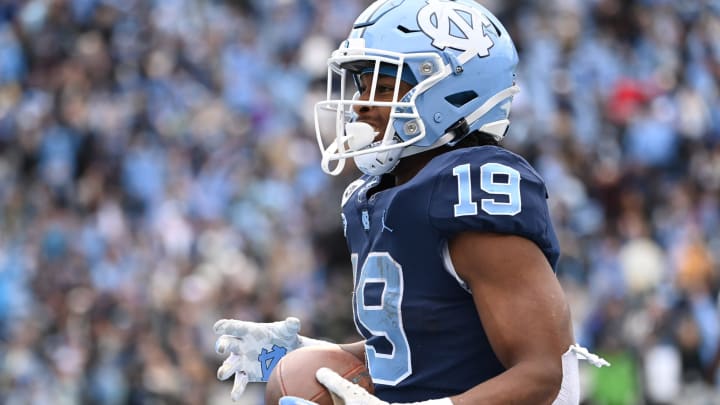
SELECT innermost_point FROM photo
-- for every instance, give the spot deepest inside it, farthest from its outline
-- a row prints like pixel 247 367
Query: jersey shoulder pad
pixel 487 189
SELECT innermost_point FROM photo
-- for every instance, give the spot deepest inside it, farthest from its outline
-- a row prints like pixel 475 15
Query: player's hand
pixel 295 401
pixel 253 349
pixel 345 392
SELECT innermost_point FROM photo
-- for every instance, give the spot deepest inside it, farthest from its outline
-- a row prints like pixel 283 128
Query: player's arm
pixel 524 313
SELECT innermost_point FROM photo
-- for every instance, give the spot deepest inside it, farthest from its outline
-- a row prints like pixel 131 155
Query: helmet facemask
pixel 374 153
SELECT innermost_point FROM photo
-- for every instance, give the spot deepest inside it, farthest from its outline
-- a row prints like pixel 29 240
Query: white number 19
pixel 491 185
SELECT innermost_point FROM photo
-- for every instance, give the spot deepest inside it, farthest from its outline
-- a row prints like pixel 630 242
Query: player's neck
pixel 411 165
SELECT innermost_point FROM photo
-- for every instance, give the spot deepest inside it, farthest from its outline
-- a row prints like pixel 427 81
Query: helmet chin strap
pixel 377 163
pixel 414 150
pixel 360 135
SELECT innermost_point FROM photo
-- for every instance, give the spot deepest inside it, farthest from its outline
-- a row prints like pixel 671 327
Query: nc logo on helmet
pixel 457 26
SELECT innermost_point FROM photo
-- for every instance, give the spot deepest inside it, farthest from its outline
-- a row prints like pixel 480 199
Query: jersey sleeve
pixel 490 189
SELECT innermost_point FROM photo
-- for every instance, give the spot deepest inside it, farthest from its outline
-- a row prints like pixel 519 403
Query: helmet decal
pixel 458 27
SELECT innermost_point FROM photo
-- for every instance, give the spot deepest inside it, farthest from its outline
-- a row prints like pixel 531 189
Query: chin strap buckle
pixel 459 129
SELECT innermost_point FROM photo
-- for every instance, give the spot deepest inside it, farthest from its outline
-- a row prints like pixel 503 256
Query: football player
pixel 451 243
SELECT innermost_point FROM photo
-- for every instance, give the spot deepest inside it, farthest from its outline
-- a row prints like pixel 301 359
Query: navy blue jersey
pixel 424 338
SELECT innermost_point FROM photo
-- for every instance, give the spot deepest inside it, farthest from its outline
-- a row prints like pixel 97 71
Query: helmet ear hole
pixel 460 99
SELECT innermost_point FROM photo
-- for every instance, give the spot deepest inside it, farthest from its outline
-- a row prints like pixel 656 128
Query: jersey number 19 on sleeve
pixel 382 317
pixel 495 179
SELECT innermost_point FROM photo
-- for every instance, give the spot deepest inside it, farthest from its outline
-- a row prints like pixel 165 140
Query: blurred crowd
pixel 158 171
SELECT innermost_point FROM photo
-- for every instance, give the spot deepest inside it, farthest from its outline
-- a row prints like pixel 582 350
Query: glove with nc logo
pixel 255 348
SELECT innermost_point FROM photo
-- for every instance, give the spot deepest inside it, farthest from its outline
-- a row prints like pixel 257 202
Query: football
pixel 295 373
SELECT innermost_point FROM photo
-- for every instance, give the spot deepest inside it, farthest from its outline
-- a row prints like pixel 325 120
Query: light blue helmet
pixel 457 54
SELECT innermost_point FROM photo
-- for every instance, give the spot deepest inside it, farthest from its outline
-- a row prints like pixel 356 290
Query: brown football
pixel 295 373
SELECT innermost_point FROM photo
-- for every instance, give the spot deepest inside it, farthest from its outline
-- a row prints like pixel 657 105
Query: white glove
pixel 345 392
pixel 254 349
